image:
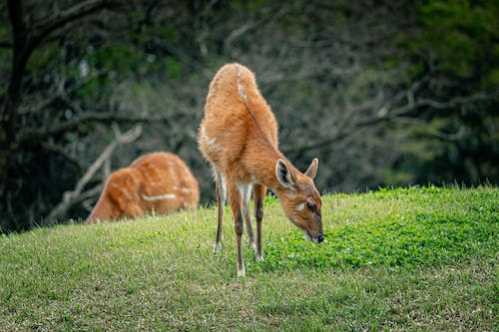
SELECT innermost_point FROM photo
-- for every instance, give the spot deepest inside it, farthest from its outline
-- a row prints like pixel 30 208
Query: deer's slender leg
pixel 259 192
pixel 235 204
pixel 245 191
pixel 221 193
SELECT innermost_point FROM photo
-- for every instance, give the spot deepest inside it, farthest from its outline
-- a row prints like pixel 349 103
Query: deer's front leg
pixel 259 197
pixel 235 204
pixel 245 191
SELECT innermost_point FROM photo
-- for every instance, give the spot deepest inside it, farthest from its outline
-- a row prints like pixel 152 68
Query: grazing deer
pixel 238 136
pixel 157 182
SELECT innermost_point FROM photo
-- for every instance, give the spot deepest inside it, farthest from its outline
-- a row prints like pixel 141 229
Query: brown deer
pixel 158 182
pixel 238 136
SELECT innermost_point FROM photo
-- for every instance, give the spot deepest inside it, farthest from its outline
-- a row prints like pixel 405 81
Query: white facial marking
pixel 309 238
pixel 159 197
pixel 300 207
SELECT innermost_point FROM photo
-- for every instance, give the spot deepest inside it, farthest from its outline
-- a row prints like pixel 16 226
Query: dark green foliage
pixel 456 43
pixel 386 93
pixel 463 35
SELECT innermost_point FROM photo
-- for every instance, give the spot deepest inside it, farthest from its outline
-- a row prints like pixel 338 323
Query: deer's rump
pixel 236 116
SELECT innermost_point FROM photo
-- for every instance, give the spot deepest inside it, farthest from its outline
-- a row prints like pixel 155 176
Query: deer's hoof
pixel 217 247
pixel 241 272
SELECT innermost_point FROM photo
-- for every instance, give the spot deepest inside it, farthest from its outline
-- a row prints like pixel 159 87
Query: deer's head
pixel 300 198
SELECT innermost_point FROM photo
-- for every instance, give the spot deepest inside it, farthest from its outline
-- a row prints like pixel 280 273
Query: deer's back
pixel 166 175
pixel 159 182
pixel 235 116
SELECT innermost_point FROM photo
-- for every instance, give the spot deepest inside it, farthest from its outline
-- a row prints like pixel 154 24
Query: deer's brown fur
pixel 239 137
pixel 158 182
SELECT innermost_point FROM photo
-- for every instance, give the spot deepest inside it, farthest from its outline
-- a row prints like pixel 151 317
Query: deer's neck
pixel 102 210
pixel 263 165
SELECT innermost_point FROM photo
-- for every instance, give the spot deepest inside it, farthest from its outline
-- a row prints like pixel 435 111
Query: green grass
pixel 403 259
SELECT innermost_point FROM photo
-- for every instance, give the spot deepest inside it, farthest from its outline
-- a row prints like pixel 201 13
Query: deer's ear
pixel 283 174
pixel 312 169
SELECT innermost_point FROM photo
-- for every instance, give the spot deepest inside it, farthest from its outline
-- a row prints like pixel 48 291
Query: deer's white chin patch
pixel 309 238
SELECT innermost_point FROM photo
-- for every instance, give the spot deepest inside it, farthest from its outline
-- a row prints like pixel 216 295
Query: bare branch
pixel 60 151
pixel 60 93
pixel 243 29
pixel 126 138
pixel 44 27
pixel 30 135
pixel 389 115
pixel 70 200
pixel 455 101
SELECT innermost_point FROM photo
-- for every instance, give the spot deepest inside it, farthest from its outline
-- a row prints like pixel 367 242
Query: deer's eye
pixel 311 206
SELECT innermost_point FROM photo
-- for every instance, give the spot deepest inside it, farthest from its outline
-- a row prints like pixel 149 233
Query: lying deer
pixel 238 136
pixel 157 182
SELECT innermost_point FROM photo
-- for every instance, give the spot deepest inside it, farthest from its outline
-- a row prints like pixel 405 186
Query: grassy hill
pixel 403 259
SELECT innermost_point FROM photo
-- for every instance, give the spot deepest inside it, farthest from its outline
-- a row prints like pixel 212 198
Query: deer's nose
pixel 320 238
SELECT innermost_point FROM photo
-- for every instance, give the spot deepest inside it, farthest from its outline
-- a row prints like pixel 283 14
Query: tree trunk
pixel 20 55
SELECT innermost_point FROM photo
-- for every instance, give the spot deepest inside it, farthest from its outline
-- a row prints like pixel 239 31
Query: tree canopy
pixel 383 93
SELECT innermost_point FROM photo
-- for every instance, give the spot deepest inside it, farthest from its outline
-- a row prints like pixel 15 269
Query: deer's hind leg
pixel 236 206
pixel 221 193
